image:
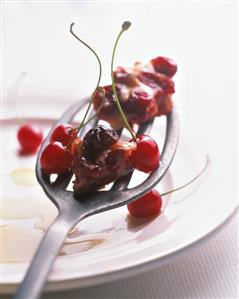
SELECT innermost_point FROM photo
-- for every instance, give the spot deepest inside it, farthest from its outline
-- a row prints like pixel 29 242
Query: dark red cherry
pixel 55 158
pixel 147 206
pixel 164 66
pixel 98 139
pixel 146 157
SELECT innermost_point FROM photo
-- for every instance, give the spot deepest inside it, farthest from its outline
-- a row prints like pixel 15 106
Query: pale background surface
pixel 201 38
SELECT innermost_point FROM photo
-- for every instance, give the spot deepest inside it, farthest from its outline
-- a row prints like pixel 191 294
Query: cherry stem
pixel 99 109
pixel 125 26
pixel 96 113
pixel 88 120
pixel 192 180
pixel 99 78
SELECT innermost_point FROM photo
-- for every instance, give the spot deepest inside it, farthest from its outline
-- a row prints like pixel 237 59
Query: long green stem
pixel 99 78
pixel 192 180
pixel 125 26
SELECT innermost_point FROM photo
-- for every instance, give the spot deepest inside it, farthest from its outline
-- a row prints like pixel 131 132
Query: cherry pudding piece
pixel 99 159
pixel 144 91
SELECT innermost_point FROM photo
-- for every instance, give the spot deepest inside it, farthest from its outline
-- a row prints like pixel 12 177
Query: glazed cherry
pixel 157 81
pixel 55 158
pixel 141 106
pixel 146 157
pixel 63 134
pixel 164 66
pixel 30 137
pixel 109 112
pixel 147 206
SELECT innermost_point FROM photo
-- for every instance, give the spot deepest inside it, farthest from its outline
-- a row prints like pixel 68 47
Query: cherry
pixel 157 82
pixel 151 203
pixel 55 158
pixel 147 206
pixel 63 134
pixel 30 137
pixel 141 106
pixel 164 66
pixel 97 140
pixel 109 112
pixel 146 157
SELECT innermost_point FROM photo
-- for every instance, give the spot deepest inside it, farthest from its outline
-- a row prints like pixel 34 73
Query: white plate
pixel 112 245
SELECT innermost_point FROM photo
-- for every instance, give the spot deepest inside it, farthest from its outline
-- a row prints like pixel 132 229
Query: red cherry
pixel 146 157
pixel 109 111
pixel 55 158
pixel 141 106
pixel 157 81
pixel 147 206
pixel 63 134
pixel 164 66
pixel 30 137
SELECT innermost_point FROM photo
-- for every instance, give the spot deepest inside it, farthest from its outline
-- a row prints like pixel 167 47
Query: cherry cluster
pixel 100 158
pixel 57 156
pixel 144 92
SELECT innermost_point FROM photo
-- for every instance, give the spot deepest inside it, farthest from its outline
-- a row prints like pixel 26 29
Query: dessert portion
pixel 136 95
pixel 100 157
pixel 144 91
